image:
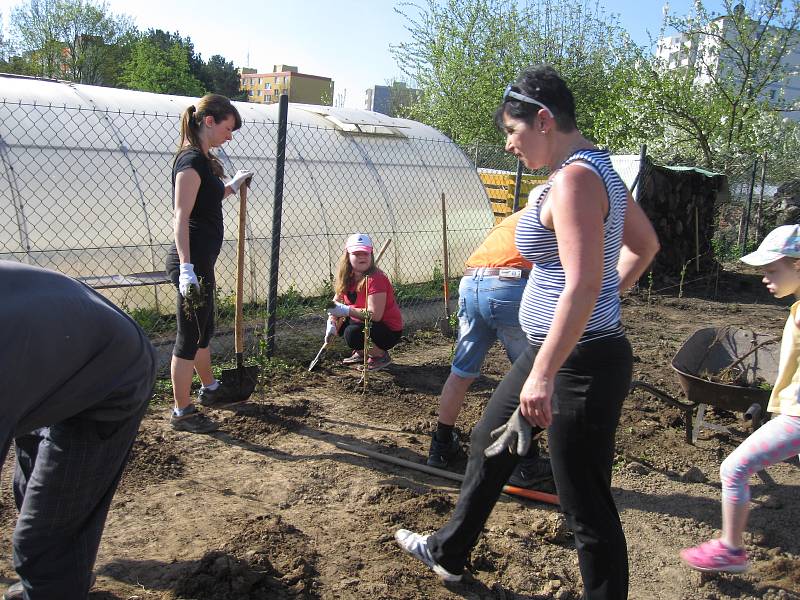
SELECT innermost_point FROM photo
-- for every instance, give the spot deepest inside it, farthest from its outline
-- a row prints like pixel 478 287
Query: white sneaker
pixel 417 546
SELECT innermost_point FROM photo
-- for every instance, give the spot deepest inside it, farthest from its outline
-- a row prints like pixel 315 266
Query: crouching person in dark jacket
pixel 76 375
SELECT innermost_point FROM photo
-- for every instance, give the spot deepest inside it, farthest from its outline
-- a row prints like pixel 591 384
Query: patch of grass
pixel 162 392
pixel 428 290
pixel 152 321
pixel 726 247
pixel 293 304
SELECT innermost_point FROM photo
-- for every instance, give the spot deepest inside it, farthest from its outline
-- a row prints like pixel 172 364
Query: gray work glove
pixel 515 436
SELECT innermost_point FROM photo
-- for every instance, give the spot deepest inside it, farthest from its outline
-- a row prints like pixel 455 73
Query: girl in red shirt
pixel 351 299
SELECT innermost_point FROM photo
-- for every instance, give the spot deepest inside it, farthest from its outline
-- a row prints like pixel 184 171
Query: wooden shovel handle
pixel 382 250
pixel 239 317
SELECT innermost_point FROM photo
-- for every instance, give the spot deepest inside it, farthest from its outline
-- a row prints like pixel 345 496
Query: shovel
pixel 317 358
pixel 321 353
pixel 241 380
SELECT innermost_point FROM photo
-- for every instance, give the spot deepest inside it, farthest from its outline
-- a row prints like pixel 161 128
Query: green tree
pixel 216 75
pixel 5 49
pixel 220 76
pixel 75 40
pixel 402 98
pixel 463 53
pixel 716 106
pixel 161 68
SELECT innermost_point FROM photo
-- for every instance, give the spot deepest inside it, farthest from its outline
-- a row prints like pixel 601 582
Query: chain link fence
pixel 88 192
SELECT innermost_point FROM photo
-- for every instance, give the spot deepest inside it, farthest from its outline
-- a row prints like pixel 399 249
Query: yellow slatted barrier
pixel 500 189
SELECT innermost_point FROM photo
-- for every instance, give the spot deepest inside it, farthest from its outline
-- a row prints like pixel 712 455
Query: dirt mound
pixel 153 459
pixel 780 572
pixel 258 423
pixel 411 509
pixel 203 535
pixel 267 560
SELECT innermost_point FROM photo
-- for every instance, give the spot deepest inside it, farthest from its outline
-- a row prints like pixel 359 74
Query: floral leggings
pixel 776 440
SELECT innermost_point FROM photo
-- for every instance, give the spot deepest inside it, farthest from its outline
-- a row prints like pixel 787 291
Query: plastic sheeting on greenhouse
pixel 85 186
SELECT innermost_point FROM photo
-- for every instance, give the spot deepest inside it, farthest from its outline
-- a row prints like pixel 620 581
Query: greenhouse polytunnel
pixel 85 189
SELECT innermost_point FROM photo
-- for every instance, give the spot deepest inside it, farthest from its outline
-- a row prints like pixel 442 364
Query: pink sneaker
pixel 715 556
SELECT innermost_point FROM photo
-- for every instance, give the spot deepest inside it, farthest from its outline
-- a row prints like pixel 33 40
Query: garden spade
pixel 241 380
pixel 321 353
pixel 317 358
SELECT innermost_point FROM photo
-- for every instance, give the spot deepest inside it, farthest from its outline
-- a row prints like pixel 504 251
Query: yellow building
pixel 267 88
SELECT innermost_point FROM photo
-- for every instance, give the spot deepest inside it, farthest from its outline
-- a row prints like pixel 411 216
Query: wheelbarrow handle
pixel 662 395
pixel 687 408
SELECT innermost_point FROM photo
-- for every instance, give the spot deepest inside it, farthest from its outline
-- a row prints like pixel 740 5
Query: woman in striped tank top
pixel 588 241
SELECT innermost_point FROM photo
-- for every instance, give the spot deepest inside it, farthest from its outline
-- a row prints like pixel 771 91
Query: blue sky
pixel 346 40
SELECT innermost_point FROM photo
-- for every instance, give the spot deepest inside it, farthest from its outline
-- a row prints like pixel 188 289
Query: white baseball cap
pixel 358 242
pixel 781 241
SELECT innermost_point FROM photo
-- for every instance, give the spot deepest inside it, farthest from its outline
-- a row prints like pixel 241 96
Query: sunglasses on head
pixel 510 93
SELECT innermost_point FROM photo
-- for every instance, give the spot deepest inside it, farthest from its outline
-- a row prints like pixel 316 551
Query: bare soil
pixel 270 508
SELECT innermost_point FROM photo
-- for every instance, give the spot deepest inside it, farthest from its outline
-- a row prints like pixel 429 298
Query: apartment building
pixel 266 88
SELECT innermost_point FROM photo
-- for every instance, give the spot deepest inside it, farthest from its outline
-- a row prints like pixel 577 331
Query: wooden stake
pixel 367 326
pixel 696 239
pixel 446 262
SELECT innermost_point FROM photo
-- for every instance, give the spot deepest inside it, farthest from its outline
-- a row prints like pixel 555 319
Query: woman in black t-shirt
pixel 198 191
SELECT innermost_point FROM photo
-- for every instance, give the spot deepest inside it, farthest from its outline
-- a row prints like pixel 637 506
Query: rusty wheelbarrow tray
pixel 707 353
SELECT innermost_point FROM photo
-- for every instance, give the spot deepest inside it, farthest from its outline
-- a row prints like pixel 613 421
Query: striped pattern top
pixel 538 244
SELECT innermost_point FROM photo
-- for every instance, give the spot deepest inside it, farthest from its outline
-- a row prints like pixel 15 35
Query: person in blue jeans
pixel 77 377
pixel 488 310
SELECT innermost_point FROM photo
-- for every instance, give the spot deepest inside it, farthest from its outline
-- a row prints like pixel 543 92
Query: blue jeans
pixel 488 310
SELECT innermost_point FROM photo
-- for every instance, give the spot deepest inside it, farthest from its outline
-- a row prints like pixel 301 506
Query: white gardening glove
pixel 515 436
pixel 330 330
pixel 339 310
pixel 240 177
pixel 187 278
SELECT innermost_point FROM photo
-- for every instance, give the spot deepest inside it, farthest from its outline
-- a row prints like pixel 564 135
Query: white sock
pixel 179 412
pixel 212 387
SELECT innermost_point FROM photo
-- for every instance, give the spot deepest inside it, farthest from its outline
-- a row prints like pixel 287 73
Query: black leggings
pixel 196 328
pixel 383 337
pixel 589 391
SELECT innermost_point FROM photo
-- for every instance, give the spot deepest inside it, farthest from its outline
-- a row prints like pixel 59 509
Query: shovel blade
pixel 241 380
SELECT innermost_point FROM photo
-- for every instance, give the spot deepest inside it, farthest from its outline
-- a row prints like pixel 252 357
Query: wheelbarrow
pixel 745 361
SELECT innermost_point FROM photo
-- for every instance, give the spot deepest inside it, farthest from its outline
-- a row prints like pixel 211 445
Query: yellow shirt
pixel 785 397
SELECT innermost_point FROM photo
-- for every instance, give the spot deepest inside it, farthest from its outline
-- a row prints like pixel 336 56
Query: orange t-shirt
pixel 499 249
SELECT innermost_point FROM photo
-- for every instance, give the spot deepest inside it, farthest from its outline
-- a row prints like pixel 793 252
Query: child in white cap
pixel 353 299
pixel 779 438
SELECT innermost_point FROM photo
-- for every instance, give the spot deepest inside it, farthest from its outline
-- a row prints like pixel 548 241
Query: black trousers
pixel 195 327
pixel 589 391
pixel 383 337
pixel 65 478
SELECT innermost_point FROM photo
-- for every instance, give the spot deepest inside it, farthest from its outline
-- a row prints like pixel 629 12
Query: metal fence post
pixel 749 205
pixel 517 185
pixel 637 182
pixel 277 215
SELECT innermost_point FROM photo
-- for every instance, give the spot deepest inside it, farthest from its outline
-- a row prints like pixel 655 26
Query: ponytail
pixel 214 105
